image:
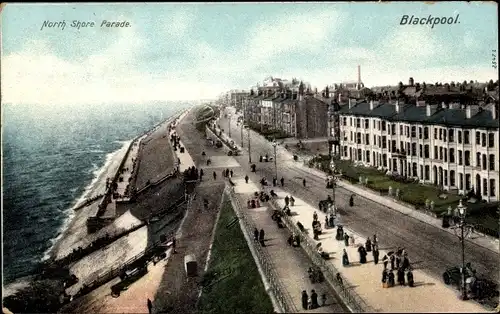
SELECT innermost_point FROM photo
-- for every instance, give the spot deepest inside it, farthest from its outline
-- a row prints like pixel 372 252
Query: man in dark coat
pixel 231 173
pixel 314 299
pixel 346 239
pixel 261 237
pixel 256 234
pixel 398 261
pixel 406 262
pixel 215 176
pixel 390 278
pixel 246 179
pixel 392 261
pixel 368 245
pixel 282 181
pixel 409 278
pixel 362 255
pixel 401 276
pixel 304 182
pixel 201 174
pixel 375 255
pixel 150 306
pixel 305 299
pixel 287 200
pixel 386 261
pixel 275 181
pixel 384 276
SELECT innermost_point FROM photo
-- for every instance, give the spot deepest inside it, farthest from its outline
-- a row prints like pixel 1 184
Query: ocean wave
pixel 98 179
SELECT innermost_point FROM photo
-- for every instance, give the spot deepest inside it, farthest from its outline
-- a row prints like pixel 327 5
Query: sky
pixel 188 51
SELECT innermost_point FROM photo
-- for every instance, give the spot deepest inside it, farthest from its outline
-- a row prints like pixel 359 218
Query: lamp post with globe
pixel 335 175
pixel 462 231
pixel 275 164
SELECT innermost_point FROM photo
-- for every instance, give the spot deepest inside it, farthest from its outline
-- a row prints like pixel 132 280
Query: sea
pixel 52 156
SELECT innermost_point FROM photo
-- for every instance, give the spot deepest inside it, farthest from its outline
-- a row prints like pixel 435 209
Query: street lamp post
pixel 241 135
pixel 275 164
pixel 462 212
pixel 249 151
pixel 334 178
pixel 229 124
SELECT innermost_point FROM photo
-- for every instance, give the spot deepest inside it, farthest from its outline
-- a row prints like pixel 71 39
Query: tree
pixel 424 85
pixel 491 85
pixel 452 84
pixel 400 85
pixel 464 83
pixel 471 82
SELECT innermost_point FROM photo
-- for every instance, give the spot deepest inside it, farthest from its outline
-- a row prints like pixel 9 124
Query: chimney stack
pixel 471 111
pixel 359 75
pixel 351 103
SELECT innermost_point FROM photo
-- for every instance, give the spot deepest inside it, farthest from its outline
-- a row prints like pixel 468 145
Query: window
pixel 407 131
pixel 345 151
pixel 466 137
pixel 485 187
pixel 367 139
pixel 467 158
pixel 441 134
pixel 375 140
pixel 393 146
pixel 426 133
pixel 459 137
pixel 383 126
pixel 452 178
pixel 478 159
pixel 358 138
pixel 467 181
pixel 414 149
pixel 491 140
pixel 384 142
pixel 367 156
pixel 444 135
pixel 440 153
pixel 435 134
pixel 393 129
pixel 401 130
pixel 435 152
pixel 358 123
pixel 461 181
pixel 492 162
pixel 420 132
pixel 478 138
pixel 445 155
pixel 378 125
pixel 379 141
pixel 445 177
pixel 460 158
pixel 345 121
pixel 484 162
pixel 451 136
pixel 452 155
pixel 384 160
pixel 426 152
pixel 359 156
pixel 483 139
pixel 413 131
pixel 420 150
pixel 427 172
pixel 414 169
pixel 350 139
pixel 492 187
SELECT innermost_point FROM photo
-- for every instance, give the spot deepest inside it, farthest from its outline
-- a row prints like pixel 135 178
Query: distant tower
pixel 359 77
pixel 411 81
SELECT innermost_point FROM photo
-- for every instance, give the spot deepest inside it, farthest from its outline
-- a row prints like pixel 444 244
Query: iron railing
pixel 342 287
pixel 282 296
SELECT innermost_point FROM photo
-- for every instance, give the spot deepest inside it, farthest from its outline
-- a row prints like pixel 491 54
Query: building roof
pixel 414 114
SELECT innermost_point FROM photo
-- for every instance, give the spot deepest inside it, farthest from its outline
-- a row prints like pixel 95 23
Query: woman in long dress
pixel 345 259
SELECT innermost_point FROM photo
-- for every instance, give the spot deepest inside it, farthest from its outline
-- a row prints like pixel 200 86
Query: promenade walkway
pixel 428 295
pixel 128 169
pixel 291 263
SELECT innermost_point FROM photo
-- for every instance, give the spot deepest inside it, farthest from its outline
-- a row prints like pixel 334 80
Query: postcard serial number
pixel 84 24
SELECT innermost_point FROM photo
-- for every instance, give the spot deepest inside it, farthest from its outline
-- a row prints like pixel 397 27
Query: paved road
pixel 430 248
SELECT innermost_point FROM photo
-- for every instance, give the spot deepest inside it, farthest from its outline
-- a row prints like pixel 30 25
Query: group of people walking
pixel 258 236
pixel 311 302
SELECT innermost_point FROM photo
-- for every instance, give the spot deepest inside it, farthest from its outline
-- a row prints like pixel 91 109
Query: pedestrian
pixel 304 182
pixel 346 239
pixel 215 176
pixel 150 306
pixel 292 201
pixel 287 200
pixel 375 255
pixel 362 255
pixel 314 299
pixel 390 279
pixel 227 173
pixel 345 258
pixel 323 299
pixel 384 278
pixel 315 216
pixel 246 179
pixel 174 244
pixel 398 261
pixel 231 173
pixel 406 263
pixel 392 261
pixel 385 260
pixel 282 181
pixel 201 174
pixel 375 240
pixel 409 278
pixel 261 237
pixel 401 276
pixel 275 181
pixel 368 245
pixel 256 234
pixel 353 242
pixel 305 299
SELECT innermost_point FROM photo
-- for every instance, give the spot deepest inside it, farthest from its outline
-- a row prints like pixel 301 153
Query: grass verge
pixel 232 283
